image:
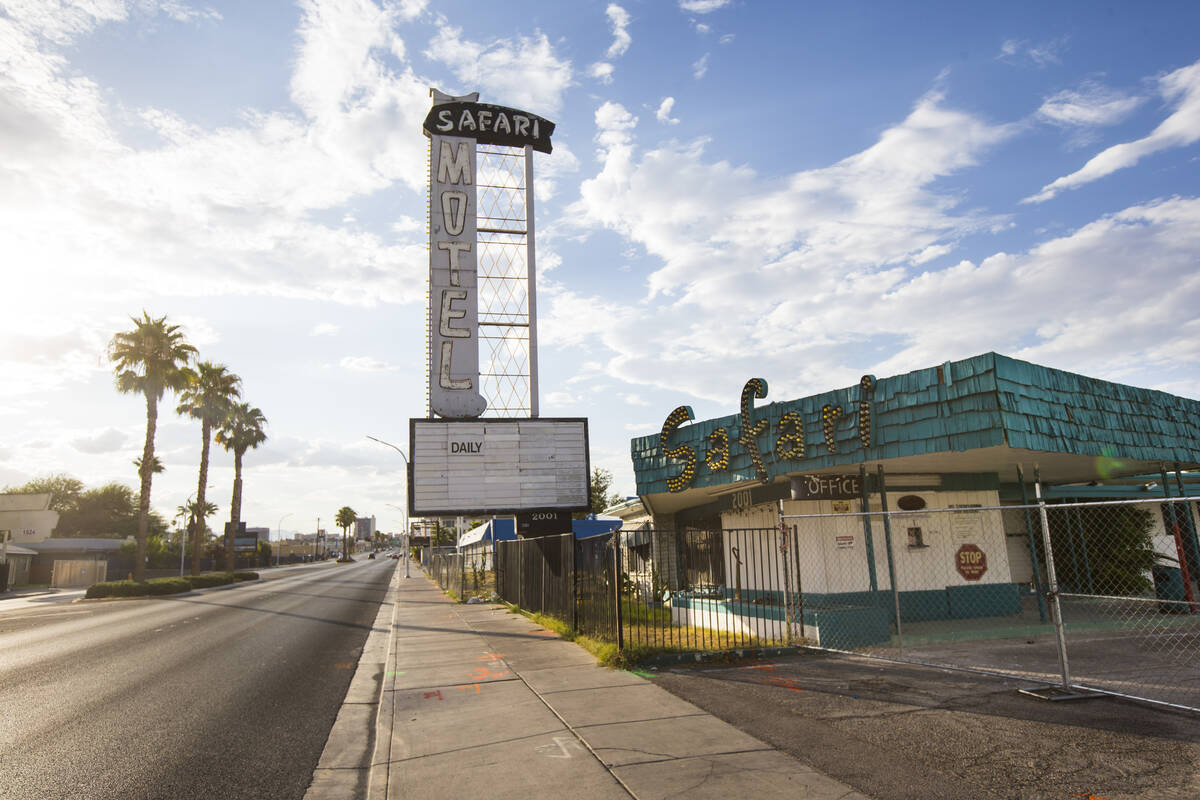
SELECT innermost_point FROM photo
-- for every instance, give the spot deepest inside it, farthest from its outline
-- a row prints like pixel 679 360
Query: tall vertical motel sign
pixel 455 125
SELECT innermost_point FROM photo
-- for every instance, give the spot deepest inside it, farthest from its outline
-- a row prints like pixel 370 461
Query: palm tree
pixel 344 519
pixel 241 430
pixel 208 397
pixel 149 360
pixel 196 525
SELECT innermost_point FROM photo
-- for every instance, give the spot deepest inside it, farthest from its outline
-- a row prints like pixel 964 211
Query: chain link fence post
pixel 891 559
pixel 1052 582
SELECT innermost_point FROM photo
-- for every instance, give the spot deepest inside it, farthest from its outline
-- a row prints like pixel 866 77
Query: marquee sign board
pixel 498 466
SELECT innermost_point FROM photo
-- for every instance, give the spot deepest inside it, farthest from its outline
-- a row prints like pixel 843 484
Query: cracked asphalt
pixel 906 732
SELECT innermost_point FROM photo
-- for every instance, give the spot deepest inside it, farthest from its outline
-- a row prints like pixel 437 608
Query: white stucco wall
pixel 832 551
pixel 28 526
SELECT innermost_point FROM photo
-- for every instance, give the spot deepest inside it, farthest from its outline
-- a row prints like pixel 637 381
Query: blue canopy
pixel 498 530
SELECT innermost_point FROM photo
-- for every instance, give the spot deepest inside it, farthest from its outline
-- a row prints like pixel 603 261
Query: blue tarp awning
pixel 499 530
pixel 587 528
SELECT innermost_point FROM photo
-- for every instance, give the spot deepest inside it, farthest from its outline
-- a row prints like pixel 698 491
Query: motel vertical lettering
pixel 453 280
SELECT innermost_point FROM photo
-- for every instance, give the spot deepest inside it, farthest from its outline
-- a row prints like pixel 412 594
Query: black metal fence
pixel 653 588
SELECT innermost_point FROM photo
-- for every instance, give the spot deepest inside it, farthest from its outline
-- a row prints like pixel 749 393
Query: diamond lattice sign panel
pixel 498 466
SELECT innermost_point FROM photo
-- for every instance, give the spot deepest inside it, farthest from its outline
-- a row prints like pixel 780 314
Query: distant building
pixel 364 528
pixel 27 518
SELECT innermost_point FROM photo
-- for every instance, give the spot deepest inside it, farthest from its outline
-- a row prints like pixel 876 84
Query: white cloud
pixel 1090 105
pixel 324 329
pixel 1180 129
pixel 182 12
pixel 602 71
pixel 1015 51
pixel 366 364
pixel 633 399
pixel 726 39
pixel 1112 308
pixel 702 6
pixel 619 19
pixel 560 399
pixel 522 71
pixel 549 170
pixel 702 28
pixel 406 224
pixel 700 67
pixel 767 271
pixel 231 203
pixel 411 9
pixel 663 114
pixel 105 441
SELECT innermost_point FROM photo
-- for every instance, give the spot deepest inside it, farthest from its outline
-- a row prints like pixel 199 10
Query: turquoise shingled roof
pixel 984 401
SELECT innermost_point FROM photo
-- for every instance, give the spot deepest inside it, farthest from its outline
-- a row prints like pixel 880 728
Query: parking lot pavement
pixel 905 732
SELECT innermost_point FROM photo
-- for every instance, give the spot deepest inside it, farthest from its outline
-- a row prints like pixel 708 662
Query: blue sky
pixel 801 192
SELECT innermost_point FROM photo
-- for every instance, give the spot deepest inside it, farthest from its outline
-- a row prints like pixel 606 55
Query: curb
pixel 348 764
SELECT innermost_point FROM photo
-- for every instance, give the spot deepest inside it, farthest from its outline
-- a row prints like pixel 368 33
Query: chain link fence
pixel 1097 596
pixel 447 569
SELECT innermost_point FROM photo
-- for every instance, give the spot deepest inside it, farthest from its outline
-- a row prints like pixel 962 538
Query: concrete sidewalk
pixel 479 701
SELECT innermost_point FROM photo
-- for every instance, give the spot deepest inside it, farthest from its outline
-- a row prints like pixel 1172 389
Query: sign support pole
pixel 1052 580
pixel 531 277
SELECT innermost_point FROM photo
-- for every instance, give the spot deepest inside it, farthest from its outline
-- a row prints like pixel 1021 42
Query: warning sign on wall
pixel 971 562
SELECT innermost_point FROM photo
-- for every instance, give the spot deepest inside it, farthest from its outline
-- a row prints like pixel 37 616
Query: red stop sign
pixel 971 562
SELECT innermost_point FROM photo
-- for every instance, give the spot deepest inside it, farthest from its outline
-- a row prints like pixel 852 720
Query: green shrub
pixel 154 586
pixel 245 575
pixel 166 586
pixel 110 589
pixel 206 579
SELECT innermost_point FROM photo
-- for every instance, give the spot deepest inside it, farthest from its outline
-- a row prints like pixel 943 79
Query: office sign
pixel 826 487
pixel 498 466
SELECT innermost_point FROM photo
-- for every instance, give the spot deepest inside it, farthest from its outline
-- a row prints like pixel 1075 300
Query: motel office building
pixel 965 435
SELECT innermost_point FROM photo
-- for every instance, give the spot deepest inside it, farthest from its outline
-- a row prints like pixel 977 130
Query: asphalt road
pixel 905 732
pixel 223 694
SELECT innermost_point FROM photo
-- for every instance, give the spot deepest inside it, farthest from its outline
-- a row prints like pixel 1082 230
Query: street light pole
pixel 403 511
pixel 407 549
pixel 279 536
